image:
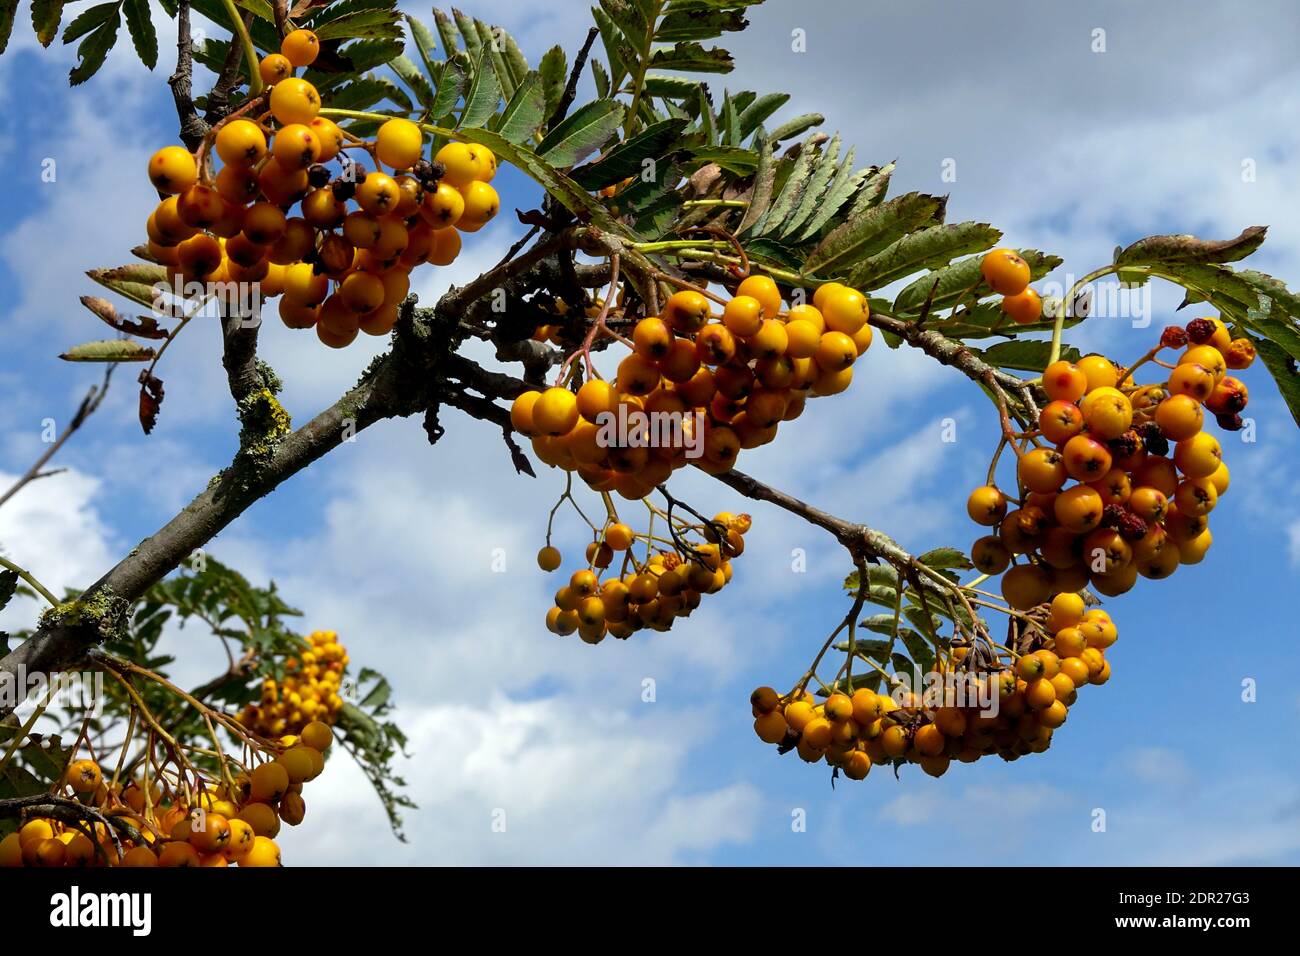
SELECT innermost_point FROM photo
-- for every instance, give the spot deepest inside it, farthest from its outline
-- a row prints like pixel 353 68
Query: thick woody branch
pixel 408 379
pixel 192 126
pixel 239 356
pixel 862 542
pixel 71 812
pixel 421 372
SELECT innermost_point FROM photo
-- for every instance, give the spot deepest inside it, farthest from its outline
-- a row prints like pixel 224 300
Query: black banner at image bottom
pixel 124 903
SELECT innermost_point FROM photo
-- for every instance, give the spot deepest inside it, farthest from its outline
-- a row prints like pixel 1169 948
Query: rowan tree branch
pixel 281 11
pixel 947 351
pixel 239 356
pixel 66 632
pixel 228 80
pixel 404 381
pixel 859 539
pixel 421 373
pixel 72 812
pixel 192 126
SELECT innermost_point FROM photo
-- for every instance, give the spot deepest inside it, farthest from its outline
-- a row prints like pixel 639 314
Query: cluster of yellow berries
pixel 342 263
pixel 729 381
pixel 642 594
pixel 225 823
pixel 1121 477
pixel 962 713
pixel 309 691
pixel 1007 274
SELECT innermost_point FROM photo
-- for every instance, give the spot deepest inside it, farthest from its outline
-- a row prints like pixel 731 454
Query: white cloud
pixel 1158 766
pixel 570 787
pixel 913 809
pixel 927 804
pixel 53 529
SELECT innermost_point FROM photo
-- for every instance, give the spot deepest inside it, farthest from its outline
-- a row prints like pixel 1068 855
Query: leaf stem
pixel 26 728
pixel 1066 304
pixel 643 64
pixel 793 278
pixel 672 245
pixel 27 576
pixel 720 203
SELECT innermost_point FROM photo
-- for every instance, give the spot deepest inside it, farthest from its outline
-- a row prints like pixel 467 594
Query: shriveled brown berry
pixel 1200 331
pixel 1126 445
pixel 1131 527
pixel 1154 439
pixel 1174 337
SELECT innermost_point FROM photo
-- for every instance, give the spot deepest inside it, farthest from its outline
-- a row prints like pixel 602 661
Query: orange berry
pixel 765 291
pixel 241 142
pixel 845 310
pixel 1207 356
pixel 1099 371
pixel 1025 308
pixel 1179 418
pixel 1107 412
pixel 771 727
pixel 295 147
pixel 835 352
pixel 743 315
pixel 173 170
pixel 555 411
pixel 1078 509
pixel 687 311
pixel 987 506
pixel 1042 470
pixel 294 101
pixel 274 67
pixel 1005 271
pixel 1060 421
pixel 652 338
pixel 1025 586
pixel 1198 456
pixel 300 47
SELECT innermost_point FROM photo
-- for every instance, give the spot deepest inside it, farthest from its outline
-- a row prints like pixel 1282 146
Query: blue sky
pixel 389 541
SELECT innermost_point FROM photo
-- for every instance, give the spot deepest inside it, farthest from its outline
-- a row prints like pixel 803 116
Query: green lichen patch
pixel 101 611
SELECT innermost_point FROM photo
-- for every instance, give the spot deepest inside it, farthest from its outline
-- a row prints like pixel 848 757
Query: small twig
pixel 228 80
pixel 514 250
pixel 571 88
pixel 69 811
pixel 87 408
